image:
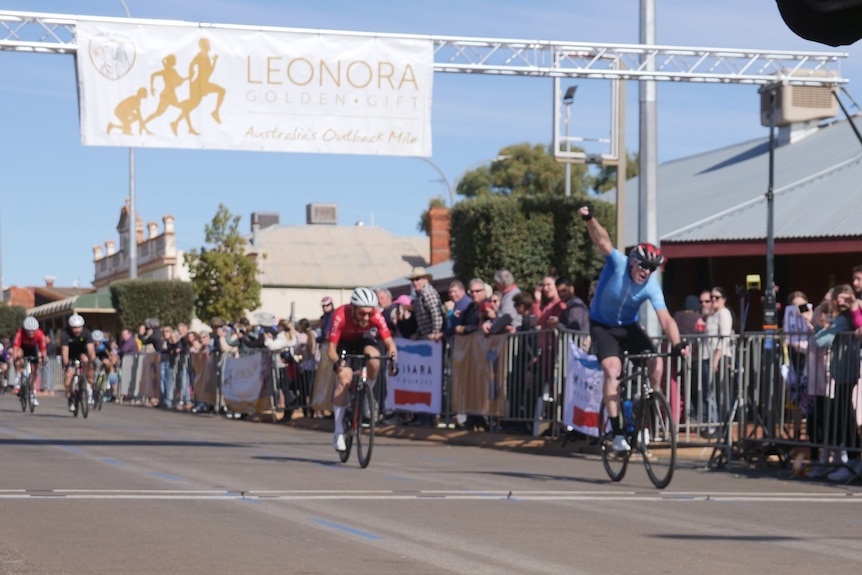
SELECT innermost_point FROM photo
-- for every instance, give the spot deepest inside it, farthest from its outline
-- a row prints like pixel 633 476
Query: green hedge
pixel 171 301
pixel 11 317
pixel 530 236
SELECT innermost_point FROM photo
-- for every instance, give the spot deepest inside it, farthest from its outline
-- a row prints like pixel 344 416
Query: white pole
pixel 132 244
pixel 648 168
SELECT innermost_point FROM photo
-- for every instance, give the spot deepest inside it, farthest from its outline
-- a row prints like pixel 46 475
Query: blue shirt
pixel 618 297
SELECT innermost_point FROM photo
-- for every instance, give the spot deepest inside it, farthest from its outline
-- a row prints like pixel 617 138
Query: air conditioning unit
pixel 321 214
pixel 799 104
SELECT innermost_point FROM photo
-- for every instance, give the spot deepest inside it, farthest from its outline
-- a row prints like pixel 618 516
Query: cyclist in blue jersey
pixel 624 284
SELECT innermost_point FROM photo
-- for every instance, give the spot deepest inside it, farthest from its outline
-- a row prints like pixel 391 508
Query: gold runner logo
pixel 200 71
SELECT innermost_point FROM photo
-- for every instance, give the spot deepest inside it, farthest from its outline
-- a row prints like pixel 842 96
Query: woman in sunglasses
pixel 624 284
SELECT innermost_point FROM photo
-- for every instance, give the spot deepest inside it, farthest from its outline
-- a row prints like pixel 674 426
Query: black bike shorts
pixel 612 341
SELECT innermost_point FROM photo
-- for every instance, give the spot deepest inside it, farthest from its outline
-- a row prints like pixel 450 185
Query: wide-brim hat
pixel 418 272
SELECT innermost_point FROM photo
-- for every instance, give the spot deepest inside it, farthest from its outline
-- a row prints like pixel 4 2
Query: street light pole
pixel 568 99
pixel 133 228
pixel 452 187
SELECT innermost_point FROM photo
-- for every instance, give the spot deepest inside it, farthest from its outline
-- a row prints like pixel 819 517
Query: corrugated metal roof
pixel 337 256
pixel 721 195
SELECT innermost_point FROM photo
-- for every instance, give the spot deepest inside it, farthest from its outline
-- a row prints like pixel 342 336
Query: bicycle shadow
pixel 288 459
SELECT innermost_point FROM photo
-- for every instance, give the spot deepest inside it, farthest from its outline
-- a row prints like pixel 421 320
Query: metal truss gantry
pixel 55 34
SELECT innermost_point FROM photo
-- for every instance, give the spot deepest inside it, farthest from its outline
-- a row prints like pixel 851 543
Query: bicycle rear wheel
pixel 365 425
pixel 656 439
pixel 615 463
pixel 347 427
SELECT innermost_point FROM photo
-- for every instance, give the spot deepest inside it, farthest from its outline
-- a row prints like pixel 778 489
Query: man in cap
pixel 427 307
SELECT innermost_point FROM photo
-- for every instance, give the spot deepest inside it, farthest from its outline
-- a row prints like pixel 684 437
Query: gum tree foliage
pixel 606 178
pixel 223 276
pixel 525 170
pixel 11 318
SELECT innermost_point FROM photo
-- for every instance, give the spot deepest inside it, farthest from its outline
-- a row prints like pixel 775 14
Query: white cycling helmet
pixel 98 335
pixel 76 320
pixel 363 297
pixel 31 323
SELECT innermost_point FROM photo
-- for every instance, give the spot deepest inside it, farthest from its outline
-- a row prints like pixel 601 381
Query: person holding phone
pixel 719 329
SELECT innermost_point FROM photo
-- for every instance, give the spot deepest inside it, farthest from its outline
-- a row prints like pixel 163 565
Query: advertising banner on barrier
pixel 479 374
pixel 584 388
pixel 178 85
pixel 247 383
pixel 149 365
pixel 204 374
pixel 418 387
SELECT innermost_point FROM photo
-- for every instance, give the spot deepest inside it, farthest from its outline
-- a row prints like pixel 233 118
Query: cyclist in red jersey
pixel 357 328
pixel 29 342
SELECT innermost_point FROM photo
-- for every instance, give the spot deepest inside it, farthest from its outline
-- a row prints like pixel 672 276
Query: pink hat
pixel 404 300
pixel 326 301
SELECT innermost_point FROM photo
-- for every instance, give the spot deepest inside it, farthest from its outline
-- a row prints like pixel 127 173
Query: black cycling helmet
pixel 647 253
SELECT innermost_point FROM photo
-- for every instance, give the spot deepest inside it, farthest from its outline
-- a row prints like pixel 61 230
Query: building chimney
pixel 49 281
pixel 139 231
pixel 152 229
pixel 111 247
pixel 438 219
pixel 97 253
pixel 169 224
pixel 255 229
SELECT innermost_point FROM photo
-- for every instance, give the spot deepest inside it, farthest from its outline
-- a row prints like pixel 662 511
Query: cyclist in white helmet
pixel 76 343
pixel 357 328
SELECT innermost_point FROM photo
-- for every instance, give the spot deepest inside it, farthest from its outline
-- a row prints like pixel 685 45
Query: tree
pixel 224 277
pixel 525 170
pixel 606 179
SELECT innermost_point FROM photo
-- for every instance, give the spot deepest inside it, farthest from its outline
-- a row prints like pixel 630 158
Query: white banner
pixel 185 86
pixel 418 387
pixel 244 382
pixel 584 388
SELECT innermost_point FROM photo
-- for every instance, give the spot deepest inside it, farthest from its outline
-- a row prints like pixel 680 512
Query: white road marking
pixel 430 495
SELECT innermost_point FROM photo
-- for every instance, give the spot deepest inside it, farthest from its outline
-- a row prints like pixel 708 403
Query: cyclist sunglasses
pixel 646 266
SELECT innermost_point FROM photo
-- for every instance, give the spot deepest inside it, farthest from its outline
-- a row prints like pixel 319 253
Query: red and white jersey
pixel 344 327
pixel 26 341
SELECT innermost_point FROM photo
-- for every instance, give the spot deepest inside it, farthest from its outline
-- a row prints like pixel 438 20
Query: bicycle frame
pixel 649 428
pixel 361 414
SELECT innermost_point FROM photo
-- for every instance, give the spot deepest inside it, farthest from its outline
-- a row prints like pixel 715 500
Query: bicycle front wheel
pixel 24 395
pixel 615 463
pixel 365 425
pixel 83 398
pixel 656 439
pixel 99 393
pixel 347 427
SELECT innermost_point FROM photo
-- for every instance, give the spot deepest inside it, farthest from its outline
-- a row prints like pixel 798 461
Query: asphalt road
pixel 135 490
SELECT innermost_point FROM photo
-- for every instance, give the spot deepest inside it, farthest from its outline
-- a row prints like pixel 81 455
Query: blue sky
pixel 58 198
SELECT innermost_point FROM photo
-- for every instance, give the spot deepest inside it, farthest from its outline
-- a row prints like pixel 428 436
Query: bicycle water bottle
pixel 628 416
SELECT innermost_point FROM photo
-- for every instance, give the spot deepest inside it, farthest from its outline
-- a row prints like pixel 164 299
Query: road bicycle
pixel 648 426
pixel 360 414
pixel 79 391
pixel 27 391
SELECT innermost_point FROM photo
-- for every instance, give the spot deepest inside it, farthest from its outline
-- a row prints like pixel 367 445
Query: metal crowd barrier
pixel 723 394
